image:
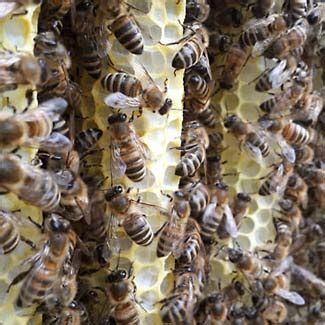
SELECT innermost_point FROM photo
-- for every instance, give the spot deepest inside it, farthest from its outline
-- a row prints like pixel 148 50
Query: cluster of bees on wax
pixel 202 215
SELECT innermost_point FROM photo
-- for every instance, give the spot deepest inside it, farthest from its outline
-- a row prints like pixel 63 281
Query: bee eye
pixel 111 119
pixel 119 189
pixel 169 102
pixel 123 117
pixel 123 274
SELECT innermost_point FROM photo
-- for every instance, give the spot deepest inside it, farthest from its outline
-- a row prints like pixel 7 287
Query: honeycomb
pixel 160 24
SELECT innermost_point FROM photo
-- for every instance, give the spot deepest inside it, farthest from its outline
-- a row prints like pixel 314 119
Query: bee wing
pixel 260 47
pixel 287 151
pixel 143 148
pixel 230 224
pixel 56 143
pixel 118 166
pixel 284 266
pixel 120 101
pixel 253 151
pixel 279 74
pixel 142 73
pixel 208 211
pixel 7 7
pixel 292 296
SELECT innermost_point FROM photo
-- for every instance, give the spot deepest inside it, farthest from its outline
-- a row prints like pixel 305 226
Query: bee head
pixel 244 197
pixel 58 224
pixel 113 192
pixel 230 120
pixel 117 276
pixel 117 118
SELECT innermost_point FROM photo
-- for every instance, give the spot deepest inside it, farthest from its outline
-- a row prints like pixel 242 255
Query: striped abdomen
pixel 191 248
pixel 207 117
pixel 9 235
pixel 126 314
pixel 135 164
pixel 90 58
pixel 128 34
pixel 123 83
pixel 191 161
pixel 198 87
pixel 138 228
pixel 295 133
pixel 189 54
pixel 209 225
pixel 199 198
pixel 169 238
pixel 86 139
pixel 39 125
pixel 258 142
pixel 268 187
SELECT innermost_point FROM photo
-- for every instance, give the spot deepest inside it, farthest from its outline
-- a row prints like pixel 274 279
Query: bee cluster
pixel 84 175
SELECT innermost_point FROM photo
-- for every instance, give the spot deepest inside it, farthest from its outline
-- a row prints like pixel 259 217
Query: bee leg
pixel 167 195
pixel 159 230
pixel 40 227
pixel 28 242
pixel 4 192
pixel 17 279
pixel 165 85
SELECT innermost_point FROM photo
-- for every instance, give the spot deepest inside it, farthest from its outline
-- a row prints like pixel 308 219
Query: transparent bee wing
pixel 148 180
pixel 120 101
pixel 56 143
pixel 284 266
pixel 209 211
pixel 142 73
pixel 118 166
pixel 292 296
pixel 287 151
pixel 230 224
pixel 260 47
pixel 253 151
pixel 279 74
pixel 7 7
pixel 142 147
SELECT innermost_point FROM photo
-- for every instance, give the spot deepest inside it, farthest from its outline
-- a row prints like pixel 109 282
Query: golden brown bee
pixel 20 69
pixel 254 140
pixel 199 196
pixel 179 308
pixel 235 59
pixel 276 76
pixel 317 15
pixel 173 231
pixel 122 82
pixel 283 240
pixel 290 213
pixel 246 263
pixel 48 264
pixel 121 293
pixel 292 39
pixel 31 127
pixel 304 154
pixel 128 152
pixel 192 50
pixel 260 30
pixel 29 183
pixel 194 145
pixel 297 190
pixel 276 180
pixel 311 175
pixel 239 206
pixel 87 139
pixel 134 222
pixel 196 11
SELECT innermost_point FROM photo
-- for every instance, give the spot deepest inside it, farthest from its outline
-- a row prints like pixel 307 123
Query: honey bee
pixel 195 143
pixel 226 17
pixel 276 180
pixel 219 43
pixel 87 139
pixel 239 206
pixel 262 8
pixel 276 76
pixel 122 82
pixel 292 39
pixel 173 231
pixel 297 190
pixel 283 240
pixel 13 7
pixel 196 11
pixel 20 69
pixel 134 222
pixel 198 196
pixel 48 263
pixel 295 9
pixel 208 116
pixel 128 152
pixel 311 175
pixel 192 50
pixel 317 15
pixel 261 30
pixel 290 213
pixel 121 293
pixel 254 140
pixel 29 183
pixel 179 308
pixel 29 128
pixel 56 144
pixel 251 266
pixel 150 95
pixel 235 59
pixel 213 169
pixel 304 154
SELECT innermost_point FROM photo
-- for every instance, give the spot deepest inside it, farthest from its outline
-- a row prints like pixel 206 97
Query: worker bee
pixel 235 59
pixel 196 11
pixel 239 206
pixel 192 50
pixel 179 307
pixel 261 30
pixel 317 15
pixel 47 264
pixel 276 76
pixel 297 190
pixel 218 43
pixel 304 154
pixel 198 196
pixel 29 183
pixel 128 152
pixel 262 8
pixel 20 69
pixel 295 9
pixel 283 240
pixel 276 180
pixel 134 223
pixel 150 94
pixel 250 265
pixel 31 127
pixel 290 213
pixel 173 231
pixel 194 146
pixel 292 39
pixel 312 175
pixel 87 139
pixel 121 293
pixel 254 140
